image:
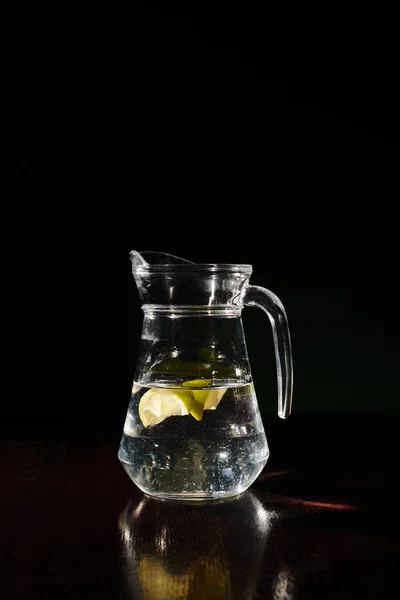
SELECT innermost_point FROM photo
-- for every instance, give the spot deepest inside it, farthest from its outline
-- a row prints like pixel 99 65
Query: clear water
pixel 182 458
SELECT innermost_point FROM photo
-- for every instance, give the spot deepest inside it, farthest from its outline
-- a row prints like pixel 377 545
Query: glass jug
pixel 193 429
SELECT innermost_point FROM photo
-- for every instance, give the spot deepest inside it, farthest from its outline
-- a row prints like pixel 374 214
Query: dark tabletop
pixel 320 522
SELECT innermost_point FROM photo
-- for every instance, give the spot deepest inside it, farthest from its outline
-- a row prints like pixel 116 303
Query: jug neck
pixel 181 311
pixel 192 286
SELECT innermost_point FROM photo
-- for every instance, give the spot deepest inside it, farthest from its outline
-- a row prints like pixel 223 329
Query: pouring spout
pixel 154 258
pixel 137 260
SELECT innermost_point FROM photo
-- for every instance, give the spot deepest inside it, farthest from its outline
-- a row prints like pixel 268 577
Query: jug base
pixel 194 486
pixel 195 498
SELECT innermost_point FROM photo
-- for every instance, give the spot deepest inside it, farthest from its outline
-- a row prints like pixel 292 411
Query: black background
pixel 225 138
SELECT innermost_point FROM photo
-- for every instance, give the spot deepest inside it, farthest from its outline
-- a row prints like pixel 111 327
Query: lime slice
pixel 158 404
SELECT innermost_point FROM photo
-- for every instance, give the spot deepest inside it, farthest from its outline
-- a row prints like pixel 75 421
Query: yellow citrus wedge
pixel 213 399
pixel 203 399
pixel 158 404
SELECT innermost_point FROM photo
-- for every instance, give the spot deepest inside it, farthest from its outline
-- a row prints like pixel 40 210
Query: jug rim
pixel 245 269
pixel 170 263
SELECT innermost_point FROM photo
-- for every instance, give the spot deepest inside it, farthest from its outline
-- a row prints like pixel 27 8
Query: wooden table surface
pixel 320 522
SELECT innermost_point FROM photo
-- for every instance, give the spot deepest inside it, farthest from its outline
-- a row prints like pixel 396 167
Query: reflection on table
pixel 196 550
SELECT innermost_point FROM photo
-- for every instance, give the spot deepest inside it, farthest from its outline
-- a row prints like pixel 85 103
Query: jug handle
pixel 254 295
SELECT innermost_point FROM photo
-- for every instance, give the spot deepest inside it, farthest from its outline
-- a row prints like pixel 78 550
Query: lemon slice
pixel 158 404
pixel 197 410
pixel 213 399
pixel 203 399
